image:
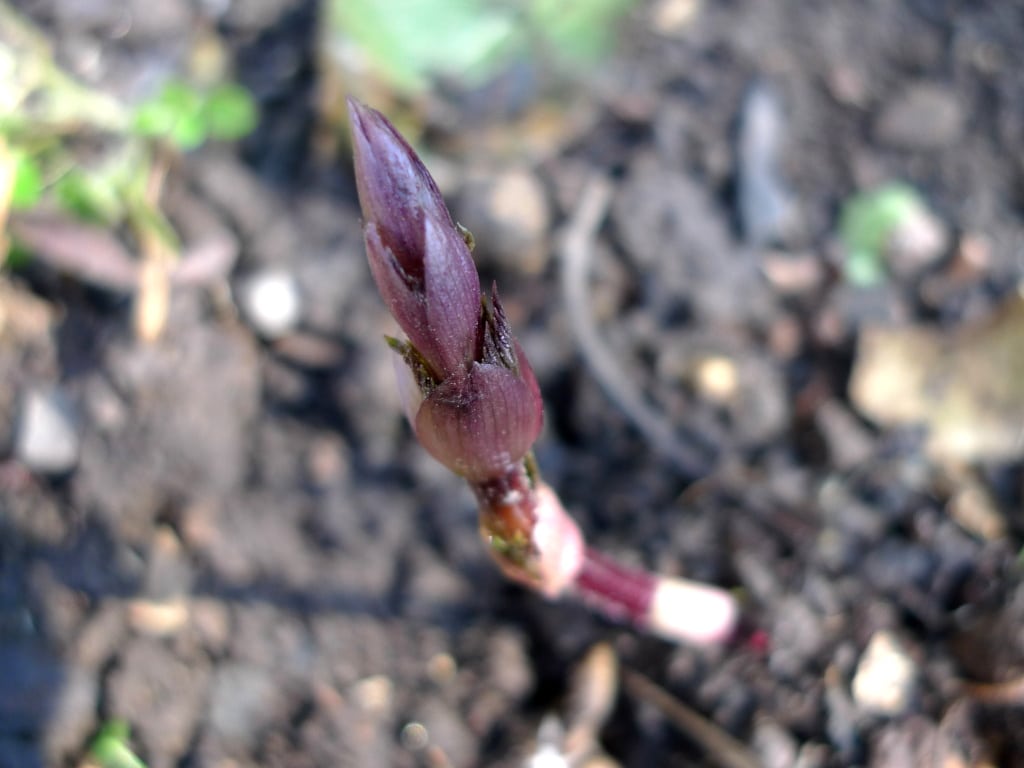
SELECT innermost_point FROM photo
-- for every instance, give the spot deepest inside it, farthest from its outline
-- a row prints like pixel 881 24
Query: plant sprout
pixel 875 223
pixel 68 209
pixel 474 403
pixel 469 41
pixel 111 747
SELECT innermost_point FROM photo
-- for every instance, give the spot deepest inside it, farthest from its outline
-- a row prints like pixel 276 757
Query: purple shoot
pixel 474 403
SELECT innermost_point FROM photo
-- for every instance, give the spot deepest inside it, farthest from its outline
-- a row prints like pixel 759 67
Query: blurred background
pixel 765 257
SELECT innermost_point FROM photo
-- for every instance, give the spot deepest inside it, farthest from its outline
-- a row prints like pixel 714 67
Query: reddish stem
pixel 619 592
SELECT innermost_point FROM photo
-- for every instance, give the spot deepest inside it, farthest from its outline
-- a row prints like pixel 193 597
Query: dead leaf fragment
pixel 967 387
pixel 93 254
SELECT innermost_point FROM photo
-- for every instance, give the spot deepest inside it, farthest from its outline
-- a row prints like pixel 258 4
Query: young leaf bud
pixel 419 259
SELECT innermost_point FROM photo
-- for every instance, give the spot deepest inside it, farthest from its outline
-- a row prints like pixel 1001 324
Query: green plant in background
pixel 577 32
pixel 187 116
pixel 26 180
pixel 182 116
pixel 867 225
pixel 111 749
pixel 409 42
pixel 44 114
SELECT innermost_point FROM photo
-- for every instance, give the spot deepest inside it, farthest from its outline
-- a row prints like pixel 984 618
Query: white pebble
pixel 885 678
pixel 47 440
pixel 270 302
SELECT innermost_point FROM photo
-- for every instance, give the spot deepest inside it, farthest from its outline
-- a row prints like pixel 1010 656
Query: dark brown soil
pixel 253 563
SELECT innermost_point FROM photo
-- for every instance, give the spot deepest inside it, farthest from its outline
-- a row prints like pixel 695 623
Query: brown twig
pixel 1010 692
pixel 722 748
pixel 575 254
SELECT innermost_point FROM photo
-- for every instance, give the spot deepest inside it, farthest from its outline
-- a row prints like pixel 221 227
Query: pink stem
pixel 620 593
pixel 677 609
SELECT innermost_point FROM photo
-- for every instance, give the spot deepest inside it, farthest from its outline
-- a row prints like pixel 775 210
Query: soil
pixel 253 562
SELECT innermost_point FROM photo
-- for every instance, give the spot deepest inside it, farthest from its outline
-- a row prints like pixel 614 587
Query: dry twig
pixel 720 746
pixel 575 253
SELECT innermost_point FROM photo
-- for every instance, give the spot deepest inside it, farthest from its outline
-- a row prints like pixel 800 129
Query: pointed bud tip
pixel 360 116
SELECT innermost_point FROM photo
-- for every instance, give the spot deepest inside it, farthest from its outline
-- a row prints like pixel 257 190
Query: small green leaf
pixel 866 224
pixel 176 114
pixel 468 40
pixel 89 195
pixel 189 131
pixel 577 31
pixel 18 257
pixel 864 268
pixel 110 747
pixel 27 186
pixel 229 112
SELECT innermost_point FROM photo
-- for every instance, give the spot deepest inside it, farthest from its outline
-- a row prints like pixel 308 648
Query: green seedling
pixel 187 116
pixel 26 181
pixel 867 224
pixel 412 42
pixel 46 117
pixel 46 165
pixel 111 748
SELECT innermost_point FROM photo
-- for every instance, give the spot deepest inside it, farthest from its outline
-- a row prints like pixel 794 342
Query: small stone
pixel 885 678
pixel 974 253
pixel 767 210
pixel 270 302
pixel 924 116
pixel 509 217
pixel 794 274
pixel 158 618
pixel 717 379
pixel 414 736
pixel 374 694
pixel 916 242
pixel 327 461
pixel 47 439
pixel 977 512
pixel 442 669
pixel 672 17
pixel 774 744
pixel 849 443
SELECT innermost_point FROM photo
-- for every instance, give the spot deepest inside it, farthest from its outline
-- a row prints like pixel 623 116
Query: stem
pixel 620 593
pixel 535 542
pixel 679 610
